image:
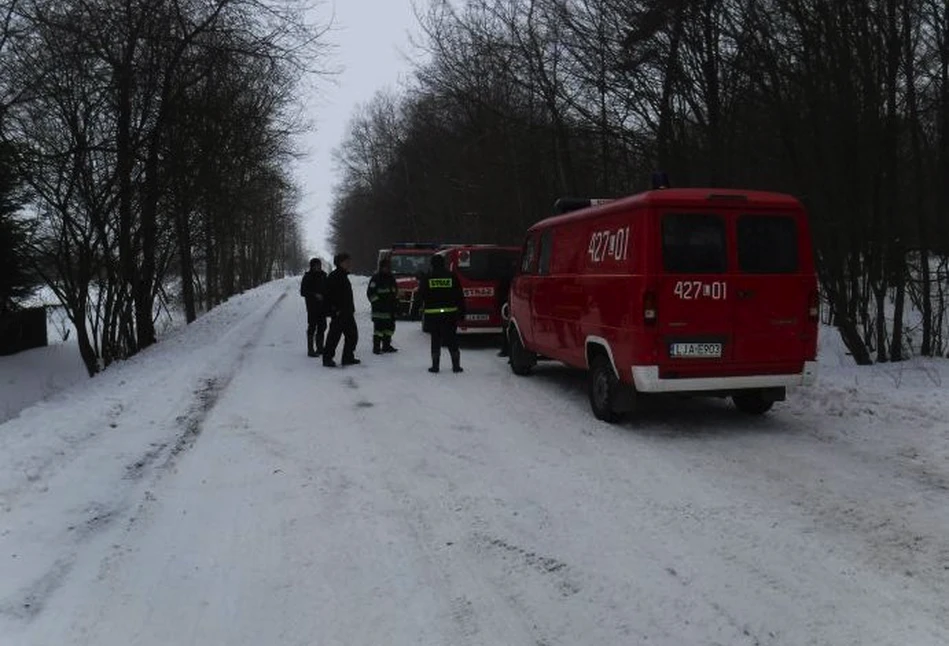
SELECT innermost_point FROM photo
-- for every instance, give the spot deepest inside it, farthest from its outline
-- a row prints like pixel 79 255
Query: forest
pixel 842 103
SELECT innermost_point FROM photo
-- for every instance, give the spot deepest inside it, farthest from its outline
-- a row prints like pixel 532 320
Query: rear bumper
pixel 647 380
pixel 479 330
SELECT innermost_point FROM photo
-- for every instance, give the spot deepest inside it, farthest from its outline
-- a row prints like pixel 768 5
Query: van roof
pixel 676 197
pixel 471 247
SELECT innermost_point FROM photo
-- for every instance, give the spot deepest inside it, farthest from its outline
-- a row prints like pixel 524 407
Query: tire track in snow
pixel 205 397
pixel 31 599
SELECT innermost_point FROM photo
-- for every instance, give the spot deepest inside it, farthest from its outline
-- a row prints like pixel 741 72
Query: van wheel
pixel 522 361
pixel 752 403
pixel 603 384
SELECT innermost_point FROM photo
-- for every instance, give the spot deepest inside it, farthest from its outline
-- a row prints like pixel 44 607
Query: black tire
pixel 752 403
pixel 522 360
pixel 602 389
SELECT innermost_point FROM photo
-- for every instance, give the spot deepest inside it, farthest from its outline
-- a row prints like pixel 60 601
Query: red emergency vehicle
pixel 483 270
pixel 409 260
pixel 697 291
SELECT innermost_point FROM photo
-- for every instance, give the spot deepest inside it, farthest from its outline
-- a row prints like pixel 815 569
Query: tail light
pixel 813 307
pixel 650 307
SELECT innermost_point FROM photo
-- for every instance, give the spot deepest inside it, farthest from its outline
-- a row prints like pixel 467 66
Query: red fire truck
pixel 482 270
pixel 697 291
pixel 409 261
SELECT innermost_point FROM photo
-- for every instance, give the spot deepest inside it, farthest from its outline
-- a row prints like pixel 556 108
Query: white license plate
pixel 697 350
pixel 478 317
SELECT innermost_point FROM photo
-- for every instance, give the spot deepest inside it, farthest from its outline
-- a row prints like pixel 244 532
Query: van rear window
pixel 767 244
pixel 693 243
pixel 489 264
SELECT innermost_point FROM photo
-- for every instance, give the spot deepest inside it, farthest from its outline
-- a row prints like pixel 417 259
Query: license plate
pixel 478 317
pixel 696 350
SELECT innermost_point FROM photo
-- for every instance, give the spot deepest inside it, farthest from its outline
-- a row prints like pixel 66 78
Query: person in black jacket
pixel 339 297
pixel 383 297
pixel 312 289
pixel 443 303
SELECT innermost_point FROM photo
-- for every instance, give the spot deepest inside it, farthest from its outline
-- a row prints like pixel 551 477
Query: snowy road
pixel 223 488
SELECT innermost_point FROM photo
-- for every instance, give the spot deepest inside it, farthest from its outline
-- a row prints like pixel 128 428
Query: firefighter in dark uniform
pixel 383 297
pixel 313 290
pixel 443 301
pixel 339 298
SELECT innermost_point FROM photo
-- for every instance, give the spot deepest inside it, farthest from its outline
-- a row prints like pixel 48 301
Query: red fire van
pixel 482 270
pixel 694 291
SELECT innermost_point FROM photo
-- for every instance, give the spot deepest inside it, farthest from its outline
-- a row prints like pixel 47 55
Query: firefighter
pixel 383 297
pixel 312 289
pixel 443 303
pixel 339 298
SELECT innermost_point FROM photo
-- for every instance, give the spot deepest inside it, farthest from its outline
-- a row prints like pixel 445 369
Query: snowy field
pixel 223 488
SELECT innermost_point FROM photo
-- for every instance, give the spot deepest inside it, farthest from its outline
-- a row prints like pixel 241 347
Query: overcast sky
pixel 371 41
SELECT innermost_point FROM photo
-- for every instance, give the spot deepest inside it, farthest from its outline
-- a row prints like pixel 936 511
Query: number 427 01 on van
pixel 689 291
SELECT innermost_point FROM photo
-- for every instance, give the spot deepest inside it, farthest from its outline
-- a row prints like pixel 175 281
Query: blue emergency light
pixel 660 180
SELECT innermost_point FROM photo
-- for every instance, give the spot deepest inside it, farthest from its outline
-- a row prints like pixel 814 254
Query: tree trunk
pixel 186 262
pixel 666 114
pixel 144 286
pixel 124 163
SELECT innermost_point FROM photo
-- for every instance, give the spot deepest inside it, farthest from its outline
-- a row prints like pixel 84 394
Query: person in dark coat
pixel 383 297
pixel 504 289
pixel 443 303
pixel 312 289
pixel 339 298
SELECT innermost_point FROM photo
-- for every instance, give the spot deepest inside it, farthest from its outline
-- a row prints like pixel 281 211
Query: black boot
pixel 456 361
pixel 436 359
pixel 310 352
pixel 387 345
pixel 376 345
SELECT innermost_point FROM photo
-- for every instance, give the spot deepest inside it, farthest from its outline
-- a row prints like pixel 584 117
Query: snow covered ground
pixel 223 488
pixel 33 375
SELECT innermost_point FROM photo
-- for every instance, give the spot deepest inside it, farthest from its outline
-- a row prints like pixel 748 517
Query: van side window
pixel 546 248
pixel 527 261
pixel 767 244
pixel 693 243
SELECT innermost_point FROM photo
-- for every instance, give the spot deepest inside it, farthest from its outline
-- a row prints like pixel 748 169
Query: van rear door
pixel 772 290
pixel 482 270
pixel 695 315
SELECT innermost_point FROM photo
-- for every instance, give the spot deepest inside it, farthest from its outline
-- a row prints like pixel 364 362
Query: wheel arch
pixel 598 345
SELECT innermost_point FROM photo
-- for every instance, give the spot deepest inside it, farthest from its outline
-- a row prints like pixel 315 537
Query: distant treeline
pixel 843 103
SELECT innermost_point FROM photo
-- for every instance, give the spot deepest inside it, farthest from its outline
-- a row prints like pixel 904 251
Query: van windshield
pixel 767 244
pixel 489 264
pixel 693 243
